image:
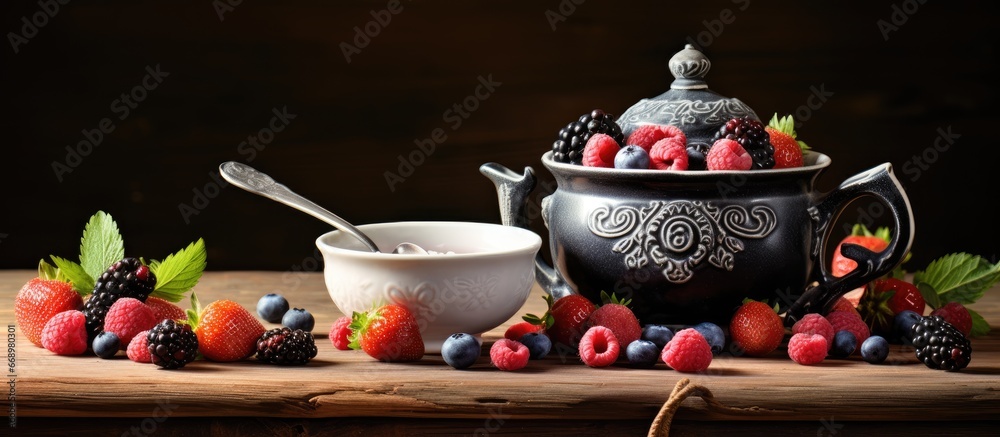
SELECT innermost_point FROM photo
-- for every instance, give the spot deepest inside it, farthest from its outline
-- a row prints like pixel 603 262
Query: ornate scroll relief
pixel 686 112
pixel 677 236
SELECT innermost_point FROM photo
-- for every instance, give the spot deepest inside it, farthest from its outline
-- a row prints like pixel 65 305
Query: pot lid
pixel 689 104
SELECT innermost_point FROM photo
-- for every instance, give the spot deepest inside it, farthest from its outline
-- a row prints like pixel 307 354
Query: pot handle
pixel 879 182
pixel 513 191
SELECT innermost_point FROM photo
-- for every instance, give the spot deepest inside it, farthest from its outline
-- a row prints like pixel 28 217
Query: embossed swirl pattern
pixel 679 235
pixel 685 112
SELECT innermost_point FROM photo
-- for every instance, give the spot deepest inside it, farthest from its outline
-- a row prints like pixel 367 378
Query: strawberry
pixel 861 236
pixel 163 309
pixel 884 298
pixel 757 328
pixel 40 299
pixel 226 330
pixel 842 265
pixel 517 330
pixel 387 333
pixel 563 322
pixel 615 315
pixel 956 314
pixel 787 150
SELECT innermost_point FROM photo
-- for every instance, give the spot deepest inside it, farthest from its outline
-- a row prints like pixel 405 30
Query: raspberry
pixel 507 354
pixel 127 317
pixel 599 347
pixel 163 309
pixel 600 151
pixel 728 155
pixel 66 333
pixel 807 349
pixel 340 333
pixel 669 154
pixel 849 321
pixel 843 304
pixel 138 348
pixel 647 135
pixel 517 330
pixel 814 323
pixel 688 351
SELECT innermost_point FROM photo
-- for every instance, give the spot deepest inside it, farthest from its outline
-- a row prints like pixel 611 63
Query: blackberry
pixel 286 346
pixel 940 345
pixel 573 138
pixel 172 345
pixel 125 278
pixel 752 136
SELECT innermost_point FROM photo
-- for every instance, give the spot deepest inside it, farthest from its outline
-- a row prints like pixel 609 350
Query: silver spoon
pixel 252 180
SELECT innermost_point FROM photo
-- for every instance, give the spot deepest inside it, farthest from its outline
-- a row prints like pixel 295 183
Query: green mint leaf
pixel 959 277
pixel 82 282
pixel 101 245
pixel 179 272
pixel 979 325
pixel 930 294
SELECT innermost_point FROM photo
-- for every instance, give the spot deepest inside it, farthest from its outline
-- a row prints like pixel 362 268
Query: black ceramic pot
pixel 688 247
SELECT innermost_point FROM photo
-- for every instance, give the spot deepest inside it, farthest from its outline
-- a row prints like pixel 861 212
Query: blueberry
pixel 272 307
pixel 844 344
pixel 298 318
pixel 875 349
pixel 106 344
pixel 642 353
pixel 713 333
pixel 460 350
pixel 902 326
pixel 632 157
pixel 538 345
pixel 658 334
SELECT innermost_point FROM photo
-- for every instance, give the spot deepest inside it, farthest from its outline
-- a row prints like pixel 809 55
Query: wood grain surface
pixel 350 385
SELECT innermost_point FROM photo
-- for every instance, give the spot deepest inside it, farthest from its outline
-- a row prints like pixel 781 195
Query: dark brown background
pixel 354 119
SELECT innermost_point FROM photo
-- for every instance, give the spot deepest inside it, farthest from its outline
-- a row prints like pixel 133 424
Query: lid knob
pixel 689 67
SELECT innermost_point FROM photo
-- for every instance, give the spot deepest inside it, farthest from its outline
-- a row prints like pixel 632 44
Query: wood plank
pixel 350 384
pixel 392 427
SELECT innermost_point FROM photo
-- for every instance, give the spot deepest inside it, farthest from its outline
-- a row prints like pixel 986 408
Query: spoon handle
pixel 252 180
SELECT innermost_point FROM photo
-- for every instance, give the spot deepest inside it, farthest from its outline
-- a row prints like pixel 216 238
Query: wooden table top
pixel 350 385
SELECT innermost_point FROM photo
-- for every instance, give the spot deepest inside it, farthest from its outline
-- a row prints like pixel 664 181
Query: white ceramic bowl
pixel 483 284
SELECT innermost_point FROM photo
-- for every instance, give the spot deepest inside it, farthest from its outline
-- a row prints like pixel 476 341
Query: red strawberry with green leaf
pixel 615 315
pixel 387 333
pixel 787 149
pixel 42 298
pixel 226 330
pixel 563 322
pixel 757 328
pixel 884 298
pixel 861 236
